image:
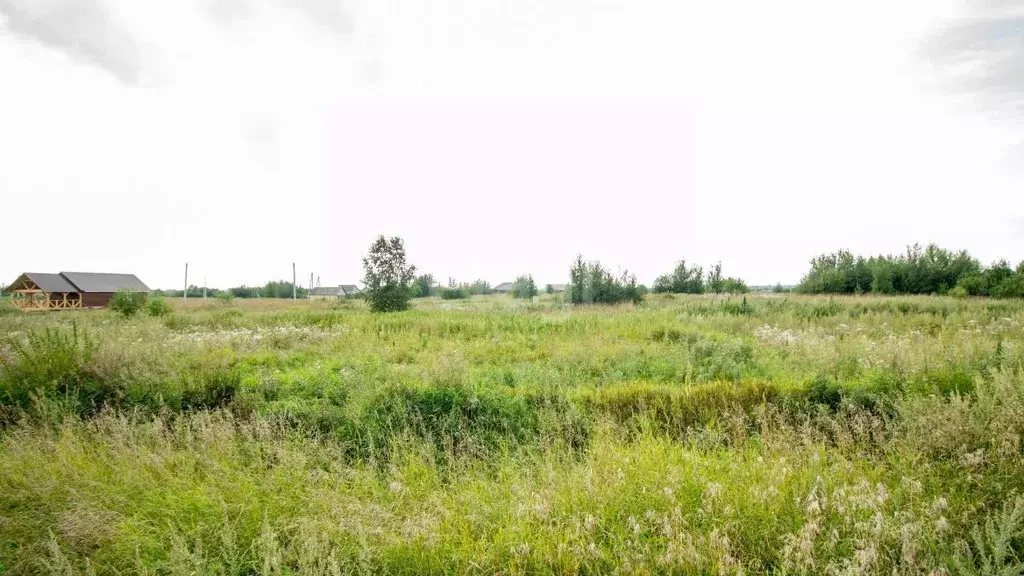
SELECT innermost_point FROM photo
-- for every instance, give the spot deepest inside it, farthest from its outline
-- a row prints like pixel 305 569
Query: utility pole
pixel 204 287
pixel 184 295
pixel 310 293
pixel 294 296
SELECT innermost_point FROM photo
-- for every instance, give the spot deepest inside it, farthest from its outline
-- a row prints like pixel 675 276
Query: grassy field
pixel 772 434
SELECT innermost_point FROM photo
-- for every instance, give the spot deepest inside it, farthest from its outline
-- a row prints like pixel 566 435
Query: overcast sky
pixel 504 136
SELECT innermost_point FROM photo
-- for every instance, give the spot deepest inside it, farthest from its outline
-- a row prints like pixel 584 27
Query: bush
pixel 127 303
pixel 226 298
pixel 958 292
pixel 388 278
pixel 524 287
pixel 454 291
pixel 158 306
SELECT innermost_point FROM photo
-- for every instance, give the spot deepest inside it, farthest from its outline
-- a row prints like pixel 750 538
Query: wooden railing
pixel 35 300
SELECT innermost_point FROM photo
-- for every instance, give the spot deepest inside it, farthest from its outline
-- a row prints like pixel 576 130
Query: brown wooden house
pixel 70 290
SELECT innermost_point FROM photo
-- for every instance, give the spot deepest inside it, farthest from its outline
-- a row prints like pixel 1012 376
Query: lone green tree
pixel 388 277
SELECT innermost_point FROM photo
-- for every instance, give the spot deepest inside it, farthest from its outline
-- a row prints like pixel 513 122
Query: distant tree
pixel 715 283
pixel 388 277
pixel 590 283
pixel 973 285
pixel 577 280
pixel 997 274
pixel 524 287
pixel 245 292
pixel 927 270
pixel 683 280
pixel 550 289
pixel 1009 287
pixel 733 286
pixel 282 289
pixel 480 287
pixel 424 285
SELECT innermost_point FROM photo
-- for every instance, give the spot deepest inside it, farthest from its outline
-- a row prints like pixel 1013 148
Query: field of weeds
pixel 768 434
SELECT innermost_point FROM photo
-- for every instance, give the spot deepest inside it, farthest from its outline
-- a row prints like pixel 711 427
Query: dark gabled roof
pixel 343 290
pixel 503 287
pixel 326 291
pixel 99 282
pixel 48 283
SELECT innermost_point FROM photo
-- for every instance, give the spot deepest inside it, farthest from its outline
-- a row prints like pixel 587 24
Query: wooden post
pixel 184 295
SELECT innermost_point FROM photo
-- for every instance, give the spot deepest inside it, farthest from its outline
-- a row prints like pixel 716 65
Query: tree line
pixel 272 289
pixel 928 270
pixel 391 281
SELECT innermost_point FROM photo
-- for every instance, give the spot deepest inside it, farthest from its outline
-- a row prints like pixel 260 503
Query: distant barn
pixel 70 290
pixel 503 288
pixel 332 292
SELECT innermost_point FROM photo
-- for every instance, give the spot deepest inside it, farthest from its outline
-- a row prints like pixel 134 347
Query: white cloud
pixel 86 30
pixel 981 53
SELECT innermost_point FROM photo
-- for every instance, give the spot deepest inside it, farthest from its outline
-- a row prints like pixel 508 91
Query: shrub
pixel 958 291
pixel 127 303
pixel 524 287
pixel 454 291
pixel 388 278
pixel 226 298
pixel 158 306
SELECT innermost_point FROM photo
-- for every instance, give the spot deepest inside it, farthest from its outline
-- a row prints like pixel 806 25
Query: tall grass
pixel 689 434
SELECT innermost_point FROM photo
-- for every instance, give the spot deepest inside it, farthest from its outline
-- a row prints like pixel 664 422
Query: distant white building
pixel 333 292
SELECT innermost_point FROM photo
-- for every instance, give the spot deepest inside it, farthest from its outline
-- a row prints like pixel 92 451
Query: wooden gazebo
pixel 37 291
pixel 70 290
